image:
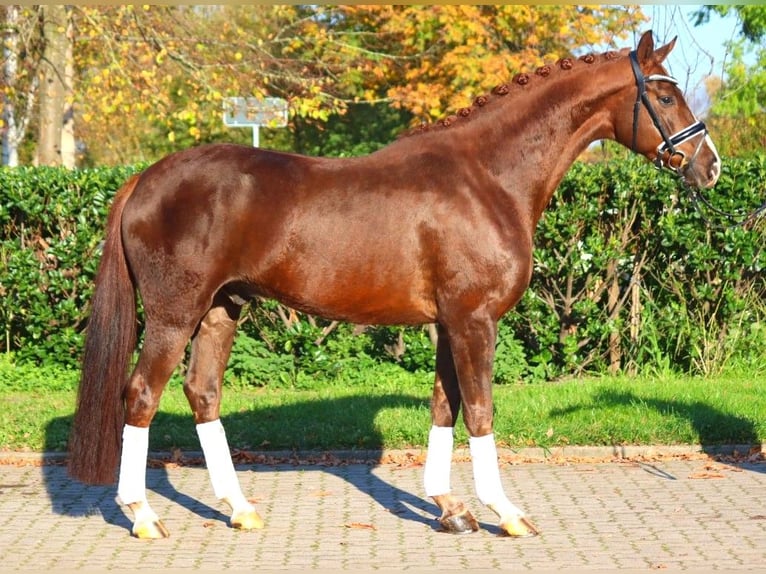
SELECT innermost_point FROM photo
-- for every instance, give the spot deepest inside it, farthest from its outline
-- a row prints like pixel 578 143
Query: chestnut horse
pixel 437 227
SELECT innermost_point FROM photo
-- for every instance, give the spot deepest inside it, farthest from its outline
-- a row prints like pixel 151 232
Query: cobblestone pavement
pixel 676 513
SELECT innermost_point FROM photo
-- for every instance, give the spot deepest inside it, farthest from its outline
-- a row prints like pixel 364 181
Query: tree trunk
pixel 68 144
pixel 52 84
pixel 635 314
pixel 613 300
pixel 10 131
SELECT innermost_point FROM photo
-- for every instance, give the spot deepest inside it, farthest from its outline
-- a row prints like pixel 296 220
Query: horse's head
pixel 661 125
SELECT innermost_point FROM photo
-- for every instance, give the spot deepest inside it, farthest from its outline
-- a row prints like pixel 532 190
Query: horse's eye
pixel 666 100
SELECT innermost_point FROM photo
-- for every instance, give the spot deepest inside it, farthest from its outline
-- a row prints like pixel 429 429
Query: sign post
pixel 239 112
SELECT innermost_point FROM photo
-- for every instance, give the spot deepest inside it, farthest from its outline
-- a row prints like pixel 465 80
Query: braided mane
pixel 521 79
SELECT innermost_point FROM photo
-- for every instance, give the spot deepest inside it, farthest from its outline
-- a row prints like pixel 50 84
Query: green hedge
pixel 628 276
pixel 51 224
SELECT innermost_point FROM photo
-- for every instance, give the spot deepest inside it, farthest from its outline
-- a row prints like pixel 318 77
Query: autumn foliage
pixel 150 79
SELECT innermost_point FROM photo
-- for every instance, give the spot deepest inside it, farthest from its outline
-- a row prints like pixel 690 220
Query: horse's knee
pixel 478 420
pixel 442 414
pixel 204 398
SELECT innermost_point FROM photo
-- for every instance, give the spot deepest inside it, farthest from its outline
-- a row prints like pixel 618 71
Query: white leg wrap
pixel 436 476
pixel 215 447
pixel 486 475
pixel 131 486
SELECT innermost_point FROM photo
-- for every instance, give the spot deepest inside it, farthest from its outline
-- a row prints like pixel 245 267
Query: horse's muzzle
pixel 702 169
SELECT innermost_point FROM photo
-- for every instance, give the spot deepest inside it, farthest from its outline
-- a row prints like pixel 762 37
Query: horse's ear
pixel 645 47
pixel 661 53
pixel 646 51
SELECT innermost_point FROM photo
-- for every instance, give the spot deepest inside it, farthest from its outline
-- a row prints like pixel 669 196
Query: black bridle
pixel 669 142
pixel 668 147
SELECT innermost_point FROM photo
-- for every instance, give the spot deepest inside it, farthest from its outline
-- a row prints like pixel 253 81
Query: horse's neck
pixel 535 137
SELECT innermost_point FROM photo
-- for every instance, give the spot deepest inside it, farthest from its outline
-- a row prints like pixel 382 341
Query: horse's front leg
pixel 210 353
pixel 489 489
pixel 473 348
pixel 445 406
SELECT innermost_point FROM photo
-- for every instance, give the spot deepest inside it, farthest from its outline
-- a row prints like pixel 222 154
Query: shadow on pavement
pixel 71 498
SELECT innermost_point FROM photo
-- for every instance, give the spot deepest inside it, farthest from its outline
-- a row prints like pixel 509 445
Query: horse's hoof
pixel 463 523
pixel 247 520
pixel 152 530
pixel 518 527
pixel 146 524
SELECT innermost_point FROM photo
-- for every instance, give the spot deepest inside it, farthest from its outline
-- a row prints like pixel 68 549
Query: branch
pixel 326 331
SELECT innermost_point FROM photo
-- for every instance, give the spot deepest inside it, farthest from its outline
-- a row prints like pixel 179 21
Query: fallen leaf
pixel 706 475
pixel 405 460
pixel 360 526
pixel 320 493
pixel 709 470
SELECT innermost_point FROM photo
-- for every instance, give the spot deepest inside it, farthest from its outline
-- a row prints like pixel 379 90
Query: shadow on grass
pixel 71 498
pixel 718 431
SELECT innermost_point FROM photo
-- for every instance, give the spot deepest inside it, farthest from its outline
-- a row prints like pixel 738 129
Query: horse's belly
pixel 362 297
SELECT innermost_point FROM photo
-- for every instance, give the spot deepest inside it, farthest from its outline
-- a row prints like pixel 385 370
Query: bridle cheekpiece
pixel 676 159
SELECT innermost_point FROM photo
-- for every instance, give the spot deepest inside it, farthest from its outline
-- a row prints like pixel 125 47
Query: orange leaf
pixel 360 526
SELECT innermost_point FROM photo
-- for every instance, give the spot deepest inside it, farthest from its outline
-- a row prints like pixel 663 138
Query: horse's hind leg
pixel 211 346
pixel 162 350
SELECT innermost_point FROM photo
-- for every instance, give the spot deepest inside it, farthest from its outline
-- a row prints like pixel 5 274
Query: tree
pixel 738 111
pixel 160 73
pixel 21 56
pixel 435 59
pixel 55 87
pixel 752 18
pixel 151 79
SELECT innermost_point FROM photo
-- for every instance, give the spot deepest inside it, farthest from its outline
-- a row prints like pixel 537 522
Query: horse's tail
pixel 96 437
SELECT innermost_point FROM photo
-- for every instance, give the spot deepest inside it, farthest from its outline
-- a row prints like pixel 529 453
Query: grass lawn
pixel 391 410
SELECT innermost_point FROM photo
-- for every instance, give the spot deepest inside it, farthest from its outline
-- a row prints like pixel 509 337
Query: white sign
pixel 244 112
pixel 239 112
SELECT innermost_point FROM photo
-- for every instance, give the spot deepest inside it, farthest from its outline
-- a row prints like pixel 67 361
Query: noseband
pixel 669 143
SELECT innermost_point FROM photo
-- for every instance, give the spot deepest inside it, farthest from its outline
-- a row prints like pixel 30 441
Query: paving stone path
pixel 674 513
